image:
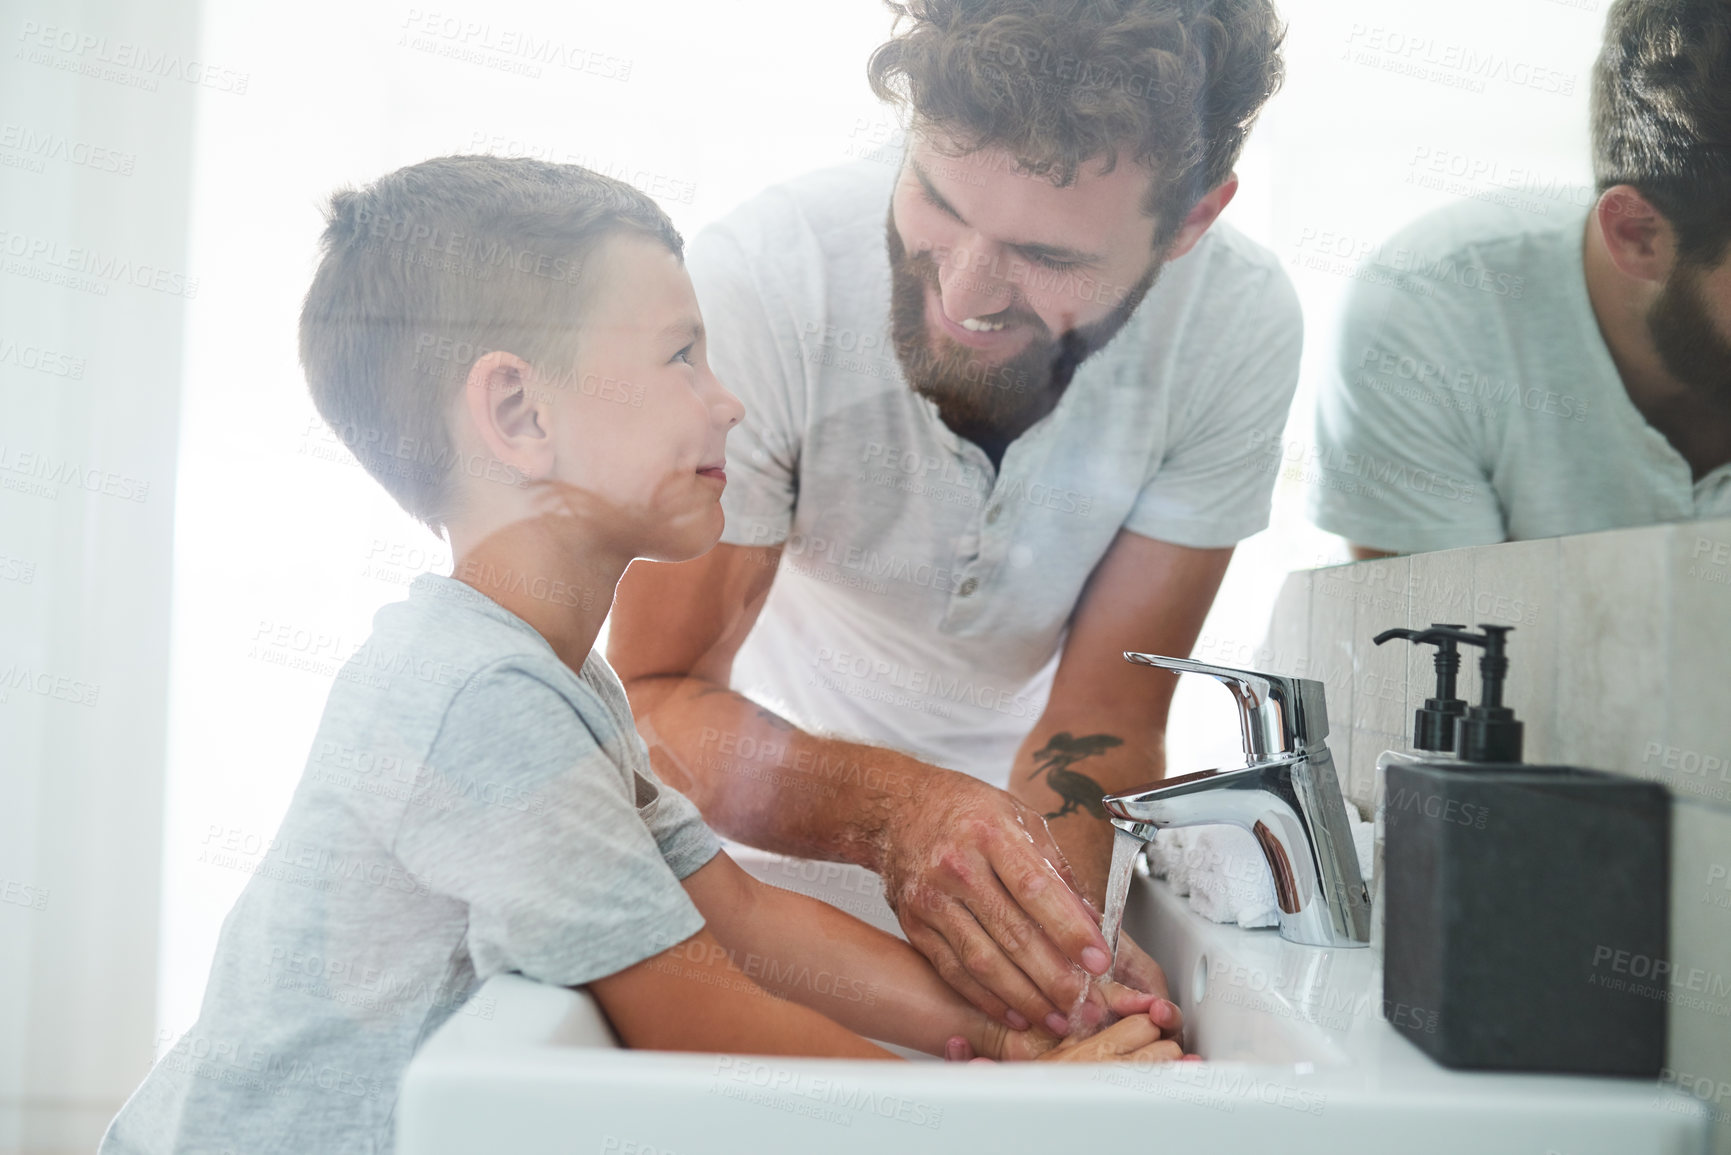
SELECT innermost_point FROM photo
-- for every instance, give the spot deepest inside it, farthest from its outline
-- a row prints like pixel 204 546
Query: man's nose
pixel 969 285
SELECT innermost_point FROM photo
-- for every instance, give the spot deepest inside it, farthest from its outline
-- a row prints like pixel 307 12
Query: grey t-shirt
pixel 923 595
pixel 1473 399
pixel 470 806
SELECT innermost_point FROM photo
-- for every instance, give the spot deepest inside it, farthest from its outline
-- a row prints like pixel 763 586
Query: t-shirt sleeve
pixel 685 840
pixel 1214 485
pixel 1399 466
pixel 530 824
pixel 755 349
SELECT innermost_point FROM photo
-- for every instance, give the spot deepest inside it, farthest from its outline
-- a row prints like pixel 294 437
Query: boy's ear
pixel 511 419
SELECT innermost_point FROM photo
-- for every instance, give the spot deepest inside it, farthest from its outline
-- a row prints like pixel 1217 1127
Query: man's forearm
pixel 1064 768
pixel 758 778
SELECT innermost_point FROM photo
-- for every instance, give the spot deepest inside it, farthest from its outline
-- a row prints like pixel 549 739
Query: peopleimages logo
pixel 123 61
pixel 511 50
pixel 955 688
pixel 869 563
pixel 44 146
pixel 43 254
pixel 1665 979
pixel 483 254
pixel 798 1089
pixel 42 360
pixel 57 471
pixel 1333 467
pixel 1453 65
pixel 1347 254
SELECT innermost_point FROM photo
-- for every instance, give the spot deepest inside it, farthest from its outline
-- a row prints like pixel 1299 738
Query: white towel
pixel 1223 871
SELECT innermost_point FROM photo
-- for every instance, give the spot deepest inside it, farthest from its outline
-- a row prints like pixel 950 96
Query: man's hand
pixel 1137 970
pixel 983 891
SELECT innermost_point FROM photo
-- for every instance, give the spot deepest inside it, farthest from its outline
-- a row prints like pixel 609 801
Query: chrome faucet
pixel 1287 795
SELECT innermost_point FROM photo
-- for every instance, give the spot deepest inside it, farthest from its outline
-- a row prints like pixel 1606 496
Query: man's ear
pixel 1637 235
pixel 1201 217
pixel 511 419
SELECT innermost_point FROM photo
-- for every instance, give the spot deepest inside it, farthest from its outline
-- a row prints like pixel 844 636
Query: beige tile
pixel 1287 640
pixel 1331 631
pixel 1515 584
pixel 1359 780
pixel 1612 633
pixel 1699 1046
pixel 1380 684
pixel 1693 755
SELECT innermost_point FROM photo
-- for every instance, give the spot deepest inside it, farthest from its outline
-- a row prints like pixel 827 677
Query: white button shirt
pixel 923 596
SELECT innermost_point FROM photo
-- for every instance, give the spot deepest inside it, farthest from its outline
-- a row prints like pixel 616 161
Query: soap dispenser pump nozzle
pixel 1489 731
pixel 1433 724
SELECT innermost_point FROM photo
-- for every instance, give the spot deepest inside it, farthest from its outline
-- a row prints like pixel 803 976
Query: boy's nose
pixel 729 408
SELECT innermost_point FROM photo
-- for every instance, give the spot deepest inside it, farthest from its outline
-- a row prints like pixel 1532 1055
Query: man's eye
pixel 1056 265
pixel 931 199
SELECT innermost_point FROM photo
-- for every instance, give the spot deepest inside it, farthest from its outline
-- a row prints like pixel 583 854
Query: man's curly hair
pixel 1176 84
pixel 1662 115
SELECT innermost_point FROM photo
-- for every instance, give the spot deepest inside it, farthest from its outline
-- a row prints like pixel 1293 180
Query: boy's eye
pixel 684 355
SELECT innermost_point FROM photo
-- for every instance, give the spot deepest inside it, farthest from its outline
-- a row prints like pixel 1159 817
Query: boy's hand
pixel 1145 1032
pixel 1135 1037
pixel 1120 1005
pixel 1109 1001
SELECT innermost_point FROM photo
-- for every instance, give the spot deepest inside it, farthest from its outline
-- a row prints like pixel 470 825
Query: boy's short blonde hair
pixel 433 266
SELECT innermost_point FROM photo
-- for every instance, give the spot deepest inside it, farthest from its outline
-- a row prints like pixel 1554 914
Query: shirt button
pixel 992 514
pixel 968 587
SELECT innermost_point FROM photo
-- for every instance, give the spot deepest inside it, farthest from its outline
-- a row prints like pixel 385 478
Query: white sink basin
pixel 1298 1060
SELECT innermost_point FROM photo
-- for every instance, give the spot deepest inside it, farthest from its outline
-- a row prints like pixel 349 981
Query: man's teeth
pixel 977 325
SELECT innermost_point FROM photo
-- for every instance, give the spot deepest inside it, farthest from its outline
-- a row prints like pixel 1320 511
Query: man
pixel 1504 377
pixel 1003 407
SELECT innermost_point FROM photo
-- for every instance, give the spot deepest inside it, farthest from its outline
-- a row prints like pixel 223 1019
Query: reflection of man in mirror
pixel 1504 376
pixel 1005 391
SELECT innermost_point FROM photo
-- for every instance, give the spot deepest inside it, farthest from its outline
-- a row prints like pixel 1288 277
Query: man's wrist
pixel 890 801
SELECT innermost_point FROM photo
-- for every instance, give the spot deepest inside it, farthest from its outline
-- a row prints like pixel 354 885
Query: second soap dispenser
pixel 1433 737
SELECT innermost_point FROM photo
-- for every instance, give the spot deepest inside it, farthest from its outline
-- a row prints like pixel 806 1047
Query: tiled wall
pixel 1621 661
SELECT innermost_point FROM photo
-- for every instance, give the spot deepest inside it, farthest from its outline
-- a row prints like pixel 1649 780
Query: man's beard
pixel 977 398
pixel 1692 348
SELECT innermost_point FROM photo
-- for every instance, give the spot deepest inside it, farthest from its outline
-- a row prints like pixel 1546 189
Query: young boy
pixel 514 351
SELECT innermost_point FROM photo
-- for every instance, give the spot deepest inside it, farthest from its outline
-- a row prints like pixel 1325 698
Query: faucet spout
pixel 1288 798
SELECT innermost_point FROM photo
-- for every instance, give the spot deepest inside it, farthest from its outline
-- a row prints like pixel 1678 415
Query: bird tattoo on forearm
pixel 1078 791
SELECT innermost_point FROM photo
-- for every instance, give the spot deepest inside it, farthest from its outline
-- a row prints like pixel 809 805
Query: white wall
pixel 94 183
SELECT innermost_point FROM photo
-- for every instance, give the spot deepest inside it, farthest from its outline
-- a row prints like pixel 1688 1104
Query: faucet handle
pixel 1278 714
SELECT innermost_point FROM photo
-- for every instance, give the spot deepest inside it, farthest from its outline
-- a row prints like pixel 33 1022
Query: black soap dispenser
pixel 1527 905
pixel 1489 731
pixel 1433 737
pixel 1433 724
